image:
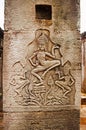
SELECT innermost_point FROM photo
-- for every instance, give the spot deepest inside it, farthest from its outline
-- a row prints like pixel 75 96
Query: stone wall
pixel 42 58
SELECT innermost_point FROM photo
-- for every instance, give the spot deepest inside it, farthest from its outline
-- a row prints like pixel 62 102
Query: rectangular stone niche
pixel 43 12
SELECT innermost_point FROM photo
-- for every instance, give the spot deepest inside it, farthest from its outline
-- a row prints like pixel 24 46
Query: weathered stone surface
pixel 59 120
pixel 26 89
pixel 42 65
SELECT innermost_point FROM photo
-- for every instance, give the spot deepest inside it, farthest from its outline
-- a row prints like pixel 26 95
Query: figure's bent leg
pixel 67 91
pixel 53 66
pixel 36 75
pixel 34 72
pixel 60 85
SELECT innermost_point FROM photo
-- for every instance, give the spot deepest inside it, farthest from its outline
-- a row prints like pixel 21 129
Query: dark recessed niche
pixel 43 12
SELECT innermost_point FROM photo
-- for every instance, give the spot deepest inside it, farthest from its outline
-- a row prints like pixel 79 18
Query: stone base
pixel 57 120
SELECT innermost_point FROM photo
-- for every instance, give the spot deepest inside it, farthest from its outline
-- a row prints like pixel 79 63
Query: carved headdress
pixel 42 35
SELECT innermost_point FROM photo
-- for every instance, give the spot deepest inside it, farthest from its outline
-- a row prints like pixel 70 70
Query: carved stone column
pixel 42 64
pixel 83 40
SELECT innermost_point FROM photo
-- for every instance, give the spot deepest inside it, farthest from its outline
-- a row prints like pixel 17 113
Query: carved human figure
pixel 18 76
pixel 19 79
pixel 42 64
pixel 66 81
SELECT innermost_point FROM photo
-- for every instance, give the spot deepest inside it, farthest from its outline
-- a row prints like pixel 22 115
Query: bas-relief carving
pixel 44 80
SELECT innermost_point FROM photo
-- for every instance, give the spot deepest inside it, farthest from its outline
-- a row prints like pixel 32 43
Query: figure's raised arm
pixel 55 47
pixel 31 61
pixel 50 55
pixel 72 80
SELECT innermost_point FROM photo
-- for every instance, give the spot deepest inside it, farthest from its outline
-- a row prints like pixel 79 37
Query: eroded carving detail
pixel 43 80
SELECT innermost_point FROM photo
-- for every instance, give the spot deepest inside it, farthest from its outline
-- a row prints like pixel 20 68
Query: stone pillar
pixel 1 65
pixel 42 64
pixel 83 40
